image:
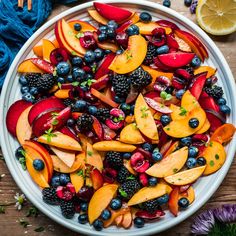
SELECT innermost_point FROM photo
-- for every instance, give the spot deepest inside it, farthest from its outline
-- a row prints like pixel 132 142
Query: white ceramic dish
pixel 205 187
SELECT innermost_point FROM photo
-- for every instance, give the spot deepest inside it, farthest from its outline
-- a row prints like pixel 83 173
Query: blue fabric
pixel 17 25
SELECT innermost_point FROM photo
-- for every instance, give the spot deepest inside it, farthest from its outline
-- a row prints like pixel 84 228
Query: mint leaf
pixel 183 111
pixel 90 153
pixel 75 83
pixel 79 35
pixel 123 193
pixel 23 162
pixel 131 177
pixel 59 85
pixel 55 122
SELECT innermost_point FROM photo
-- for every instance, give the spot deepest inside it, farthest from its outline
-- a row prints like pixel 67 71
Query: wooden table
pixel 9 224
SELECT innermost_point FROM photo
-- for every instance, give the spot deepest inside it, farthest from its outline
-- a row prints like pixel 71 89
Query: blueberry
pixel 156 156
pixel 61 80
pixel 80 105
pixel 78 74
pixel 70 78
pixel 169 89
pixel 132 109
pixel 28 97
pixel 163 199
pixel 225 109
pixel 162 50
pixel 63 68
pixel 77 26
pixel 19 153
pixel 103 29
pixel 165 120
pixel 191 162
pixel 125 108
pixel 64 179
pixel 111 34
pixel 221 101
pixel 166 3
pixel 119 99
pixel 55 181
pixel 187 141
pixel 98 54
pixel 84 206
pixel 112 25
pixel 201 161
pixel 92 110
pixel 25 89
pixel 193 123
pixel 179 94
pixel 76 61
pixel 147 147
pixel 187 3
pixel 38 164
pixel 70 122
pixel 34 90
pixel 183 202
pixel 89 76
pixel 89 56
pixel 152 181
pixel 83 218
pixel 107 51
pixel 98 225
pixel 208 82
pixel 115 204
pixel 145 17
pixel 119 52
pixel 132 30
pixel 192 151
pixel 139 222
pixel 196 62
pixel 102 37
pixel 106 214
pixel 23 80
pixel 127 155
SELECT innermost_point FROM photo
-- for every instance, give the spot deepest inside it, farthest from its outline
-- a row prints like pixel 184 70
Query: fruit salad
pixel 119 117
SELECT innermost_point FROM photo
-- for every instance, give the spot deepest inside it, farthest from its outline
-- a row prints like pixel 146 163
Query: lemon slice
pixel 217 17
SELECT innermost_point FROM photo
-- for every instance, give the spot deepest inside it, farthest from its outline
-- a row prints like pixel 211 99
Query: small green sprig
pixel 144 113
pixel 183 111
pixel 49 135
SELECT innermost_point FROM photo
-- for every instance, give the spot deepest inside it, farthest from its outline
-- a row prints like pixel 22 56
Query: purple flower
pixel 226 214
pixel 193 6
pixel 203 223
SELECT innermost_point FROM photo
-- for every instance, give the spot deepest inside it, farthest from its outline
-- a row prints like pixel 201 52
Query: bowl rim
pixel 145 230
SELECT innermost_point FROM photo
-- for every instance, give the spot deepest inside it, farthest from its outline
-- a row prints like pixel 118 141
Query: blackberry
pixel 123 174
pixel 190 70
pixel 121 85
pixel 140 79
pixel 46 82
pixel 128 189
pixel 68 102
pixel 215 92
pixel 33 79
pixel 50 196
pixel 151 53
pixel 151 205
pixel 85 122
pixel 103 114
pixel 114 159
pixel 67 209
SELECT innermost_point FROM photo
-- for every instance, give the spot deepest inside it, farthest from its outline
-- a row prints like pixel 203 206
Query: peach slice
pixel 127 220
pixel 27 66
pixel 100 200
pixel 147 28
pixel 60 140
pixel 93 157
pixel 77 179
pixel 132 57
pixel 185 177
pixel 171 149
pixel 38 50
pixel 189 194
pixel 188 101
pixel 169 165
pixel 215 156
pixel 48 47
pixel 62 93
pixel 97 17
pixel 23 128
pixel 60 166
pixel 129 167
pixel 206 126
pixel 66 156
pixel 85 26
pixel 113 145
pixel 83 141
pixel 130 134
pixel 149 193
pixel 39 177
pixel 144 119
pixel 118 220
pixel 210 70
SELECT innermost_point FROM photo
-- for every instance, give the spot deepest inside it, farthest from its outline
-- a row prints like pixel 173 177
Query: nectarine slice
pixel 149 193
pixel 224 133
pixel 100 200
pixel 77 179
pixel 38 50
pixel 189 194
pixel 206 126
pixel 27 66
pixel 144 119
pixel 113 145
pixel 132 57
pixel 131 134
pixel 83 141
pixel 210 70
pixel 85 26
pixel 97 17
pixel 185 177
pixel 127 220
pixel 62 93
pixel 23 128
pixel 170 164
pixel 147 28
pixel 215 156
pixel 48 47
pixel 93 157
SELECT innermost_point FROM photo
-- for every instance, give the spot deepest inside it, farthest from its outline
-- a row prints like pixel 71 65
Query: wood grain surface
pixel 9 222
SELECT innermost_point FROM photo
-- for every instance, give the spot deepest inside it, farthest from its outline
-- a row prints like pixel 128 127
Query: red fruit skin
pixel 133 94
pixel 143 179
pixel 87 41
pixel 97 127
pixel 111 12
pixel 135 158
pixel 184 188
pixel 103 68
pixel 124 26
pixel 208 103
pixel 122 39
pixel 142 168
pixel 200 138
pixel 177 84
pixel 157 106
pixel 150 216
pixel 14 113
pixel 68 131
pixel 145 153
pixel 109 134
pixel 165 147
pixel 101 83
pixel 85 193
pixel 173 201
pixel 176 60
pixel 166 23
pixel 109 175
pixel 58 53
pixel 214 120
pixel 97 179
pixel 152 95
pixel 198 84
pixel 43 65
pixel 183 73
pixel 171 42
pixel 160 65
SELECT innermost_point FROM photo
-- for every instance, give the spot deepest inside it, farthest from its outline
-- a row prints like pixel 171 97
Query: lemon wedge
pixel 217 17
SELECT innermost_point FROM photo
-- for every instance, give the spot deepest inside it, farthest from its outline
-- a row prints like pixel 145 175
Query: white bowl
pixel 205 187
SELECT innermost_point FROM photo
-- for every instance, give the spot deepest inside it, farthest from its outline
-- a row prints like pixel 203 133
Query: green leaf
pixel 122 193
pixel 2 210
pixel 183 111
pixel 55 122
pixel 131 177
pixel 23 162
pixel 83 84
pixel 39 229
pixel 22 152
pixel 23 222
pixel 73 53
pixel 59 85
pixel 79 35
pixel 90 153
pixel 94 68
pixel 220 229
pixel 55 73
pixel 75 83
pixel 33 211
pixel 81 173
